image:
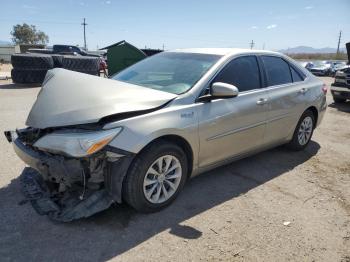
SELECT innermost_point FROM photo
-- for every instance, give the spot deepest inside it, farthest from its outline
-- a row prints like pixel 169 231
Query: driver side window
pixel 243 72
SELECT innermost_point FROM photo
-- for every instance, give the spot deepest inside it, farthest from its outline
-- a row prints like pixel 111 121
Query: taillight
pixel 324 88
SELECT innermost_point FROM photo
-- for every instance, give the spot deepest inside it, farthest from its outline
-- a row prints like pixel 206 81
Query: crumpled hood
pixel 71 98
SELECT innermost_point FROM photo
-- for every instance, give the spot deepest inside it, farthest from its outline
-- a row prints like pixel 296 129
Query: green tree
pixel 28 34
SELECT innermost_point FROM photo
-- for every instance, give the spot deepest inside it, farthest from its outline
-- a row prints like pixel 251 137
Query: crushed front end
pixel 70 170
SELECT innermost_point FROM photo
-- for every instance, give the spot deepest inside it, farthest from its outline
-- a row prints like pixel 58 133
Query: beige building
pixel 7 50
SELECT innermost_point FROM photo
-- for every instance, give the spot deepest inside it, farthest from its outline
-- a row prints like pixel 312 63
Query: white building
pixel 7 50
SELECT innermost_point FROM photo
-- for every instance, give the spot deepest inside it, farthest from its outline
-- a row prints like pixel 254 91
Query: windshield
pixel 319 64
pixel 169 71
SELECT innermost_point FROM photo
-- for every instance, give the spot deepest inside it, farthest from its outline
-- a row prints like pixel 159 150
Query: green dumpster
pixel 121 55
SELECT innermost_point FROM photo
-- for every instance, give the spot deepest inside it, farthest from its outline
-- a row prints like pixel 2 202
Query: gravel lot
pixel 238 212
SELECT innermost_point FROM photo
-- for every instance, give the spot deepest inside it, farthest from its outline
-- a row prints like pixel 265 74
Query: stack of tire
pixel 32 68
pixel 82 64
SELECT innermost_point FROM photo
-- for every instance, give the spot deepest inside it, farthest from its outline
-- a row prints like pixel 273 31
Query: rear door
pixel 286 97
pixel 232 126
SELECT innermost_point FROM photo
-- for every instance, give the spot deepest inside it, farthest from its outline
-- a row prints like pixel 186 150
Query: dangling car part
pixel 137 137
pixel 65 187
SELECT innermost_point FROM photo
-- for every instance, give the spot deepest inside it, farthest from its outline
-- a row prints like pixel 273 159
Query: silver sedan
pixel 139 136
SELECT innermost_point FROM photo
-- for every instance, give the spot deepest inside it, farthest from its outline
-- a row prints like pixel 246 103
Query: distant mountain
pixel 309 50
pixel 5 42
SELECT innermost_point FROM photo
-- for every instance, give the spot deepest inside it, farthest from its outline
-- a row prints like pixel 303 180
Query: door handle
pixel 303 90
pixel 261 101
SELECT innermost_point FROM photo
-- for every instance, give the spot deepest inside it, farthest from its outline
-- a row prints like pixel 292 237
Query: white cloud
pixel 254 27
pixel 28 7
pixel 308 7
pixel 108 2
pixel 271 26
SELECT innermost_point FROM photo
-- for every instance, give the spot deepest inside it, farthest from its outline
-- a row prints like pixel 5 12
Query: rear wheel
pixel 303 132
pixel 156 177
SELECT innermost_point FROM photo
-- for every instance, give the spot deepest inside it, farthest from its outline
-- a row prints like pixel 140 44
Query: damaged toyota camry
pixel 138 136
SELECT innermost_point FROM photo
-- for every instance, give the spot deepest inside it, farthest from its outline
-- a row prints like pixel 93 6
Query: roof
pixel 123 42
pixel 221 51
pixel 115 44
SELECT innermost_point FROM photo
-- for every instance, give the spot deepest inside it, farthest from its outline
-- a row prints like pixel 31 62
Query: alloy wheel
pixel 162 179
pixel 305 130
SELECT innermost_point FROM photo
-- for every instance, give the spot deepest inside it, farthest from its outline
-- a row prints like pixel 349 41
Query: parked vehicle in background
pixel 336 66
pixel 340 89
pixel 139 136
pixel 320 68
pixel 70 50
pixel 63 49
pixel 307 65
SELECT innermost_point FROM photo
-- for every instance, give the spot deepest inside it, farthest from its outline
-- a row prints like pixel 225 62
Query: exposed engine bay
pixel 66 188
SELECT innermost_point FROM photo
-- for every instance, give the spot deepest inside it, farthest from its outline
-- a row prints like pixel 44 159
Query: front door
pixel 232 126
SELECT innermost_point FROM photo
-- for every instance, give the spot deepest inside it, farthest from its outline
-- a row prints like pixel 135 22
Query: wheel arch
pixel 117 171
pixel 180 141
pixel 314 110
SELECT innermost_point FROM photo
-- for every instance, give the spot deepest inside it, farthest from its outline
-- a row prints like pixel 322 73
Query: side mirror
pixel 219 90
pixel 223 90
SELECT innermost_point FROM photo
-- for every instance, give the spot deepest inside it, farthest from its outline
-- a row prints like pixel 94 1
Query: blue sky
pixel 184 23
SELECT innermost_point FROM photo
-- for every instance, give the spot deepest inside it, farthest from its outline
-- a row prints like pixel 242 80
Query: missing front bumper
pixel 66 189
pixel 36 191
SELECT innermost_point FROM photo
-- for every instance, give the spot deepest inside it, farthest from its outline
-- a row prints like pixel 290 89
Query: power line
pixel 84 25
pixel 339 42
pixel 252 44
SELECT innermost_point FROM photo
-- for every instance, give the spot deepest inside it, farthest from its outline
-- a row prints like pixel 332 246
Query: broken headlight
pixel 76 144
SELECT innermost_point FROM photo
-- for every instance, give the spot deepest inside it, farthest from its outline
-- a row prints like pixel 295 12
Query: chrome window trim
pixel 263 88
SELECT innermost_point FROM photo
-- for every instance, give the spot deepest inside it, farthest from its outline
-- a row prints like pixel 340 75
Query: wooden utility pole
pixel 84 25
pixel 339 42
pixel 252 44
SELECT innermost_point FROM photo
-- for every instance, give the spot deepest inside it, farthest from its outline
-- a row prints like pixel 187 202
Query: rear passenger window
pixel 277 71
pixel 295 75
pixel 243 72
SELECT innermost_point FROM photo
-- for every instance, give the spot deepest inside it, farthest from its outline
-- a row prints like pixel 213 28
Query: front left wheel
pixel 155 177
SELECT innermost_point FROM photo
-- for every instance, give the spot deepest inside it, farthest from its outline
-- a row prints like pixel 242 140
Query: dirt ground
pixel 5 71
pixel 274 206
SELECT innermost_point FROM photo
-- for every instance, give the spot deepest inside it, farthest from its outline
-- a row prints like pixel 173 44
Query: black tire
pixel 81 64
pixel 32 61
pixel 133 192
pixel 57 61
pixel 339 100
pixel 295 144
pixel 28 76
